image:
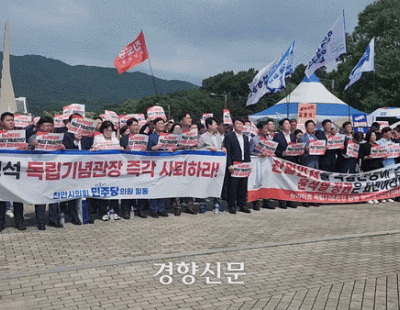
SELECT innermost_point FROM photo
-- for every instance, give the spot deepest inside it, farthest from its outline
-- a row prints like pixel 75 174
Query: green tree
pixel 380 20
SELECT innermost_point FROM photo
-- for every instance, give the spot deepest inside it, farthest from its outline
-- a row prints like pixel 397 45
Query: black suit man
pixel 237 150
pixel 284 137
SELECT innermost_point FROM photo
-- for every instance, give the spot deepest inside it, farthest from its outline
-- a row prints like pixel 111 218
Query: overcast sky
pixel 186 40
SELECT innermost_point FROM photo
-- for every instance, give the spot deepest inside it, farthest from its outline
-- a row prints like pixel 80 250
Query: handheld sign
pixel 241 170
pixel 317 147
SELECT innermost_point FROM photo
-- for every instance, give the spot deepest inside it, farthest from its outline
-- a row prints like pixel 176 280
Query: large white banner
pixel 280 179
pixel 37 177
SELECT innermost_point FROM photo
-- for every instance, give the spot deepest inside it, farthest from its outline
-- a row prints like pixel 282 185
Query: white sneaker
pixel 371 202
pixel 10 214
pixel 383 201
pixel 390 200
pixel 116 217
pixel 376 201
pixel 105 218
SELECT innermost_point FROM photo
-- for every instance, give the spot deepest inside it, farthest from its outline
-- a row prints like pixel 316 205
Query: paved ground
pixel 331 257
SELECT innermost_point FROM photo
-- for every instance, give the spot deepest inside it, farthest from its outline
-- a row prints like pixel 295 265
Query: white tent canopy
pixel 309 91
pixel 384 113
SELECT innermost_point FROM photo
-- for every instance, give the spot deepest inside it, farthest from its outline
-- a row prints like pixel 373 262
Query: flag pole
pixel 373 90
pixel 151 70
pixel 152 75
pixel 344 24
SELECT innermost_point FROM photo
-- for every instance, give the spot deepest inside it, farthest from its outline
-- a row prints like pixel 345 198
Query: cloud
pixel 187 40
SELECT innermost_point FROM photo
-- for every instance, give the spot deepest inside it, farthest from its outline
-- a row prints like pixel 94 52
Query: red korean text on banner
pixel 205 116
pixel 124 118
pixel 132 55
pixel 49 141
pixel 295 149
pixel 138 142
pixel 241 170
pixel 188 138
pixel 305 112
pixel 74 108
pixel 12 139
pixel 335 142
pixel 227 117
pixel 156 112
pixel 317 147
pixel 378 151
pixel 250 130
pixel 393 150
pixel 84 126
pixel 21 121
pixel 168 141
pixel 352 149
pixel 266 146
pixel 58 120
pixel 383 124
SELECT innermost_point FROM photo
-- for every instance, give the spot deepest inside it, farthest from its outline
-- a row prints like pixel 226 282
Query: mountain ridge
pixel 49 84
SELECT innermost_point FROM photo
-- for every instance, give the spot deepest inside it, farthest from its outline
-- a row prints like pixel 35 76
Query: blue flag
pixel 366 64
pixel 271 79
pixel 276 80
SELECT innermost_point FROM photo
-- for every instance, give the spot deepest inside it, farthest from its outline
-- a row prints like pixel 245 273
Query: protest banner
pixel 335 142
pixel 241 170
pixel 393 150
pixel 110 116
pixel 378 151
pixel 59 120
pixel 155 112
pixel 360 122
pixel 48 141
pixel 317 147
pixel 84 126
pixel 40 178
pixel 267 146
pixel 188 138
pixel 105 145
pixel 227 117
pixel 74 108
pixel 21 121
pixel 305 112
pixel 352 149
pixel 205 116
pixel 383 124
pixel 250 130
pixel 168 141
pixel 12 139
pixel 295 149
pixel 124 118
pixel 138 142
pixel 275 178
pixel 35 120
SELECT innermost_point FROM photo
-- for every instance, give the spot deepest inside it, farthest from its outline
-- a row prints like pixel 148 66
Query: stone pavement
pixel 331 257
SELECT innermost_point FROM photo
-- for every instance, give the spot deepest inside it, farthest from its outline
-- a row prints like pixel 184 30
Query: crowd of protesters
pixel 214 136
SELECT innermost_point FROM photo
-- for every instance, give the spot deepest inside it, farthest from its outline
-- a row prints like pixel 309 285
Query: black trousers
pixel 18 212
pixel 70 208
pixel 54 213
pixel 237 192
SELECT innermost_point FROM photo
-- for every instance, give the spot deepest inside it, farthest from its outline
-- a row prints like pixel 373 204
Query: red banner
pixel 275 178
pixel 132 55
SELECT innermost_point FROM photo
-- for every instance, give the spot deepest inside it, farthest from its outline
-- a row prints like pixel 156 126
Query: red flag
pixel 132 55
